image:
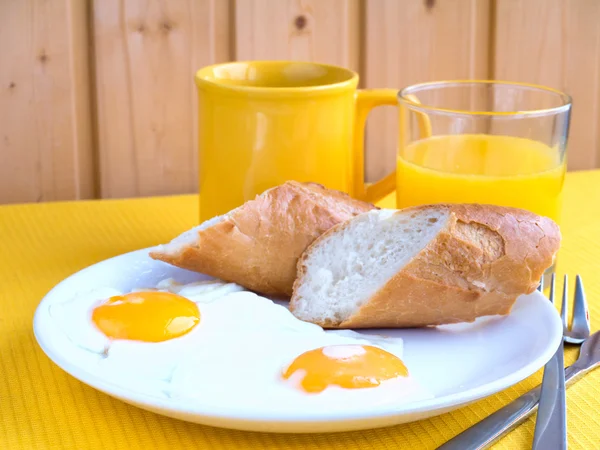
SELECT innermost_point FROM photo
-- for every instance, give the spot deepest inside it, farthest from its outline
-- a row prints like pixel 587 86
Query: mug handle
pixel 365 101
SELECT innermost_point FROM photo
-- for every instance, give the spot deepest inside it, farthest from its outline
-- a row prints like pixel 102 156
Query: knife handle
pixel 489 430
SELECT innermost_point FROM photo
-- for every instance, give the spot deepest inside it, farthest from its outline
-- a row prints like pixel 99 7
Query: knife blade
pixel 551 423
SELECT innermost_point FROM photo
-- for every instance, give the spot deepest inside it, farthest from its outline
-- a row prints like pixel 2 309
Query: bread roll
pixel 427 265
pixel 258 244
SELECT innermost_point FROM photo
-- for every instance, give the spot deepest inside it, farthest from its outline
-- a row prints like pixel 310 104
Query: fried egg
pixel 348 366
pixel 165 316
pixel 216 342
pixel 138 335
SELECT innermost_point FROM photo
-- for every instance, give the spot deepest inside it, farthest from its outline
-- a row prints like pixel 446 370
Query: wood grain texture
pixel 324 31
pixel 147 52
pixel 97 97
pixel 561 49
pixel 410 41
pixel 45 122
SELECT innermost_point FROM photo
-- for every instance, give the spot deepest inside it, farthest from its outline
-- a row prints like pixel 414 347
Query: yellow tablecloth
pixel 43 407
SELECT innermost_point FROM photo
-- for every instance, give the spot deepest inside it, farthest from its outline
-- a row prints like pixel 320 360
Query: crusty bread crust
pixel 258 244
pixel 477 265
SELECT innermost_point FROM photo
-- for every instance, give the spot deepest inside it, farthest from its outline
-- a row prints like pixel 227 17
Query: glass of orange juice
pixel 483 142
pixel 488 142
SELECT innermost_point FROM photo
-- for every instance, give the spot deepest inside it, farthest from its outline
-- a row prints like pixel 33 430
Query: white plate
pixel 458 363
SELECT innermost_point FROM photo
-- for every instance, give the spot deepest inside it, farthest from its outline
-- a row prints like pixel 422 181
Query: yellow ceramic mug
pixel 262 123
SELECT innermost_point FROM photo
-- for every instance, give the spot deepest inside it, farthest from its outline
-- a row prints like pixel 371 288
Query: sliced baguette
pixel 258 244
pixel 426 265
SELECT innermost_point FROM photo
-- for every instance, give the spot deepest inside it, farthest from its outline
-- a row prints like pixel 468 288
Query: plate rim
pixel 251 420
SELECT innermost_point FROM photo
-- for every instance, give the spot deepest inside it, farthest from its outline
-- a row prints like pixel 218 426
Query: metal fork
pixel 486 432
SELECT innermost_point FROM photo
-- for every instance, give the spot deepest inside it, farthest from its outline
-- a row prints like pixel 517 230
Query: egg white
pixel 236 354
pixel 256 344
pixel 74 317
pixel 127 359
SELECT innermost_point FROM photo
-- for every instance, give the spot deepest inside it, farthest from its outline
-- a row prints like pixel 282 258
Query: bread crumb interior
pixel 348 267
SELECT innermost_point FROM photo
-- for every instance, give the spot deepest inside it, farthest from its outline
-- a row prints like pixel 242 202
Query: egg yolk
pixel 348 366
pixel 146 316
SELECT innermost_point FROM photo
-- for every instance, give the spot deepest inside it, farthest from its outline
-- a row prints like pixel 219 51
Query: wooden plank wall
pixel 561 49
pixel 145 55
pixel 409 42
pixel 97 96
pixel 46 146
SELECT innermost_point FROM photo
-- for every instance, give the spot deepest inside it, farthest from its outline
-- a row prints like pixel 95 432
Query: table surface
pixel 43 407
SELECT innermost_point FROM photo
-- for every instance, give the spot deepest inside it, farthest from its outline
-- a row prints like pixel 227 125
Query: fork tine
pixel 581 317
pixel 564 314
pixel 552 285
pixel 541 285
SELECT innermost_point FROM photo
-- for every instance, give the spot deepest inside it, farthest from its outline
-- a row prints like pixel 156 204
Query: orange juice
pixel 480 168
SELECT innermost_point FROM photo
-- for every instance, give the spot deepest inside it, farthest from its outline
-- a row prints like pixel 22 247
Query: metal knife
pixel 489 430
pixel 551 423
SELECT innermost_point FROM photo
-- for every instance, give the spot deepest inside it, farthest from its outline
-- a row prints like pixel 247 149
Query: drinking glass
pixel 483 142
pixel 491 142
